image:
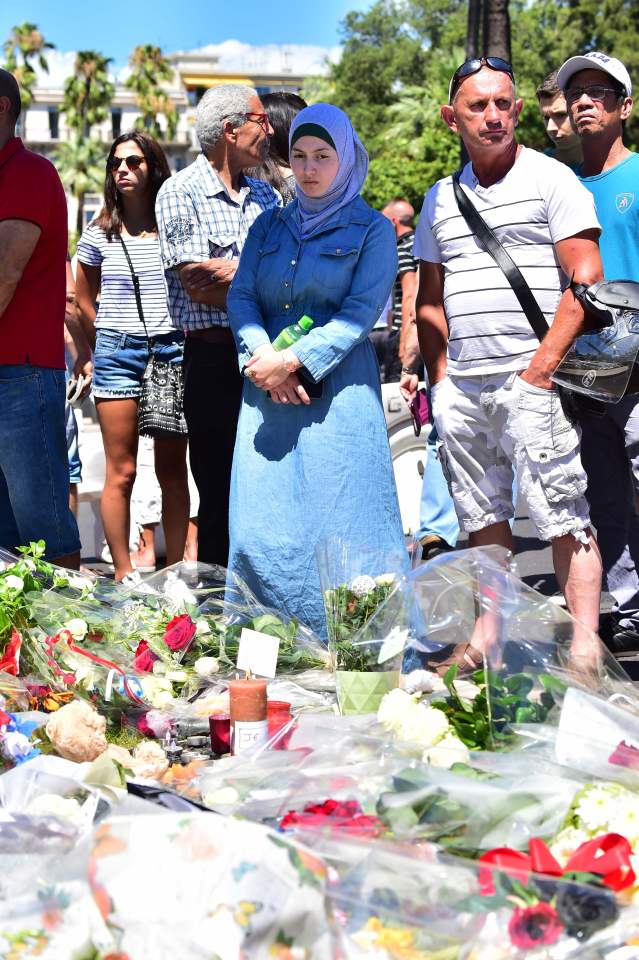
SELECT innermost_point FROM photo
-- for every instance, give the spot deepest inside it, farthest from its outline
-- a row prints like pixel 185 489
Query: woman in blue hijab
pixel 311 456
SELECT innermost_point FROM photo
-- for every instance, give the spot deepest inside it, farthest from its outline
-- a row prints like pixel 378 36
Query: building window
pixel 194 95
pixel 116 122
pixel 54 123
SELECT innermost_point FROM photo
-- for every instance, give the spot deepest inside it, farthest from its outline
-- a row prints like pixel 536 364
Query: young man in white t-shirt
pixel 493 402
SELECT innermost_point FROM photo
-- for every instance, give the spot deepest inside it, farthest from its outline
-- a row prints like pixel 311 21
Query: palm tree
pixel 87 96
pixel 88 92
pixel 23 44
pixel 80 163
pixel 149 69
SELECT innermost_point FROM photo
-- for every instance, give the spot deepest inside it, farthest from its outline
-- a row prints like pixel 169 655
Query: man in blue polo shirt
pixel 598 92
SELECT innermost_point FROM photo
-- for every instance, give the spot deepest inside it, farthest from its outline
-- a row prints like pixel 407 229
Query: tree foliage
pixel 149 69
pixel 88 92
pixel 24 44
pixel 398 58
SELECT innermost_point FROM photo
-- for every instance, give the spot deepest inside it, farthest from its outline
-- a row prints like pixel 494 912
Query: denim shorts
pixel 121 358
pixel 34 469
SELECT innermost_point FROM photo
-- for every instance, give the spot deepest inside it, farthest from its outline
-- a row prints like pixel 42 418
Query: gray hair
pixel 226 101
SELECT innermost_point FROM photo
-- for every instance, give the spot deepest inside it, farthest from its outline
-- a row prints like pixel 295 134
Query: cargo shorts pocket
pixel 555 461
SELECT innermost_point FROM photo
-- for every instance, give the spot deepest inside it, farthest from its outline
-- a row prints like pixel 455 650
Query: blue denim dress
pixel 305 473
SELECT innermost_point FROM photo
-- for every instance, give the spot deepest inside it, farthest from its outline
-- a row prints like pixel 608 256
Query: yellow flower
pixel 398 942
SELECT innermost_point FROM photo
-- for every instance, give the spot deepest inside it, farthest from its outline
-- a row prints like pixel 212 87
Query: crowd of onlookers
pixel 182 283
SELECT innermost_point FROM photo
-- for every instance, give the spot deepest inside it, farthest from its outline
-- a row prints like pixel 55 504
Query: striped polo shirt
pixel 539 202
pixel 407 263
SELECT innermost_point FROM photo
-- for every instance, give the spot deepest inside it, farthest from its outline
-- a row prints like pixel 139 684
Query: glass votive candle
pixel 220 733
pixel 278 715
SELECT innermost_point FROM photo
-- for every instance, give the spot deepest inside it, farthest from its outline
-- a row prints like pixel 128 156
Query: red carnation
pixel 346 816
pixel 144 657
pixel 179 632
pixel 533 926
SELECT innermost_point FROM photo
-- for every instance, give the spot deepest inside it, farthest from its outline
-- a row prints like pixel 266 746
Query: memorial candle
pixel 249 726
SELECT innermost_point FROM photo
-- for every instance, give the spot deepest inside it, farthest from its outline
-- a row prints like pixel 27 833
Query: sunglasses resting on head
pixel 474 65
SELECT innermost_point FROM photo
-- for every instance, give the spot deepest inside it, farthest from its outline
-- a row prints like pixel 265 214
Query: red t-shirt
pixel 32 326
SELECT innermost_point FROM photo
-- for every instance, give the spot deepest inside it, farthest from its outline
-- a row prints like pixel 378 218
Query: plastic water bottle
pixel 290 335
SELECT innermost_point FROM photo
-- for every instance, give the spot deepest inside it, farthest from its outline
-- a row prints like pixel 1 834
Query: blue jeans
pixel 121 358
pixel 34 469
pixel 436 513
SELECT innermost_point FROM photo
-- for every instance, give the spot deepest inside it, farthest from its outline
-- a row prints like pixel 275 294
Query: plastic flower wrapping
pixel 463 784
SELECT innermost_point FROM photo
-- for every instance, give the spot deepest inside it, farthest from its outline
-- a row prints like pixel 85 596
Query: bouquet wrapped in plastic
pixel 371 616
pixel 522 651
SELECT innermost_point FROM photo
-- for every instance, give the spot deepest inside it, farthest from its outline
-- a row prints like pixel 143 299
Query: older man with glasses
pixel 204 213
pixel 493 401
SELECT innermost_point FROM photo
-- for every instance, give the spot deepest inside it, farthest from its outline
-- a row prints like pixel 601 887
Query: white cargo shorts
pixel 489 426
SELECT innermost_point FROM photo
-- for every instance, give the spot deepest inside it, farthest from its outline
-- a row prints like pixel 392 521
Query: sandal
pixel 464 655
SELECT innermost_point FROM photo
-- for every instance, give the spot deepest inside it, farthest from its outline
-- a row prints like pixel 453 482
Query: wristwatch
pixel 409 370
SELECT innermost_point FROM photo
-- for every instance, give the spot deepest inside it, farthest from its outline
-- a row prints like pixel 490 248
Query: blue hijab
pixel 313 212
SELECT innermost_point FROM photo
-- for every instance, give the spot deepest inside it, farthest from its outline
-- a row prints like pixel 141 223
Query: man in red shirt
pixel 34 476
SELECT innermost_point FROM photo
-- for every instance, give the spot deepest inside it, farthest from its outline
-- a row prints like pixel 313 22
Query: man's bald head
pixel 400 211
pixel 9 88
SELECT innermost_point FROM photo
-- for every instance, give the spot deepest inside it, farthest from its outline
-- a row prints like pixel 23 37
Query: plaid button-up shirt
pixel 197 221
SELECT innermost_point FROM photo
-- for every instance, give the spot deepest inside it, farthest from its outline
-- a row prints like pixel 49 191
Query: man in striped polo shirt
pixel 493 402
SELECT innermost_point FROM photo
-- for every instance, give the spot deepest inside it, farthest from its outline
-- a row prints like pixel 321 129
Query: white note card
pixel 258 653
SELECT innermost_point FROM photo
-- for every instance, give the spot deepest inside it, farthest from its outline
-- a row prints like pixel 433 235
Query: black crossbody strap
pixel 502 258
pixel 136 287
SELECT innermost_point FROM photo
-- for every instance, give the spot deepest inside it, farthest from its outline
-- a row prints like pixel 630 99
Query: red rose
pixel 179 632
pixel 531 926
pixel 346 816
pixel 10 662
pixel 144 657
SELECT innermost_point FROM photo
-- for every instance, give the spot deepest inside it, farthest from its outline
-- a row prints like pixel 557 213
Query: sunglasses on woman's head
pixel 132 162
pixel 474 65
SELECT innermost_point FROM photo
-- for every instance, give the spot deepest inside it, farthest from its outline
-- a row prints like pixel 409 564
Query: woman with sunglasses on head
pixel 124 330
pixel 311 457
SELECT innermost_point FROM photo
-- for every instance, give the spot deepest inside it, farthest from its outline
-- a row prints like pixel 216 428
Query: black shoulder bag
pixel 532 311
pixel 160 410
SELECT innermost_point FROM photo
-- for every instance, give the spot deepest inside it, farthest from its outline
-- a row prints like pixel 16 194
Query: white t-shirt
pixel 537 203
pixel 118 309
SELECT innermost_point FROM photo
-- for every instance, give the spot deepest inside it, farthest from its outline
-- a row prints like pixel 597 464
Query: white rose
pixel 16 583
pixel 448 751
pixel 52 805
pixel 385 579
pixel 206 666
pixel 77 627
pixel 202 627
pixel 176 676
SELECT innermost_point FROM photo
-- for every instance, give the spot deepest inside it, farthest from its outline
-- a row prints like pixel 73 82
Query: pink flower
pixel 179 632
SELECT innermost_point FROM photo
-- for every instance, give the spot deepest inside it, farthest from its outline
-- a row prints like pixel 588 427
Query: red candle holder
pixel 220 732
pixel 278 715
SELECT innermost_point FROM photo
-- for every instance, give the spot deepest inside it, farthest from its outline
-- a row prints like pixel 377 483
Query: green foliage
pixel 149 69
pixel 23 44
pixel 80 164
pixel 485 722
pixel 398 58
pixel 88 92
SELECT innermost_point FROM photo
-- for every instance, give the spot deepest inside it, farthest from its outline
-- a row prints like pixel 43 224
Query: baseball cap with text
pixel 595 61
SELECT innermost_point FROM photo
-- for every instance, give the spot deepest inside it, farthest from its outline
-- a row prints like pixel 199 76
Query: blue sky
pixel 114 27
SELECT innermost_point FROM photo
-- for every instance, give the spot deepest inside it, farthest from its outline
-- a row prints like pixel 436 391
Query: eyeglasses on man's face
pixel 474 65
pixel 594 91
pixel 261 118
